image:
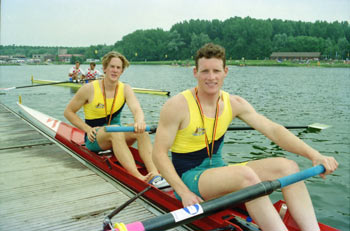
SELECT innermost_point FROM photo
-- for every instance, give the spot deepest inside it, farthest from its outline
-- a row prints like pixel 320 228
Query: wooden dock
pixel 42 187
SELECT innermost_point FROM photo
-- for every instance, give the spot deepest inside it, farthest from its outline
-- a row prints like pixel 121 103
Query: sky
pixel 75 23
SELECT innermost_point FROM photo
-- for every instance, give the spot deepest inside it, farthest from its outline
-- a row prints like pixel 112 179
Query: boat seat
pixel 105 152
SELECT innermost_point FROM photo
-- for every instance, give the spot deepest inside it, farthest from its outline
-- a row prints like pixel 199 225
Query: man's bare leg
pixel 220 181
pixel 296 195
pixel 117 141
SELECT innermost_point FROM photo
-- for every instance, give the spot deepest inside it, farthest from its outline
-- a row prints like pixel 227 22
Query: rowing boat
pixel 73 139
pixel 76 86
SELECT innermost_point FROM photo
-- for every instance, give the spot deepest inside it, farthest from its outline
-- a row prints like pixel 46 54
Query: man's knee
pixel 287 167
pixel 248 176
pixel 142 136
pixel 116 137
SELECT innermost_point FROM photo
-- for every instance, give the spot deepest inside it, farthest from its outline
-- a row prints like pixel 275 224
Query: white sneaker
pixel 159 182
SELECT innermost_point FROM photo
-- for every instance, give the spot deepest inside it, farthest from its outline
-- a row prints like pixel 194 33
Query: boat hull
pixel 73 139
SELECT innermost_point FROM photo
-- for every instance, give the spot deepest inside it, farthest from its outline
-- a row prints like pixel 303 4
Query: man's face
pixel 114 69
pixel 210 74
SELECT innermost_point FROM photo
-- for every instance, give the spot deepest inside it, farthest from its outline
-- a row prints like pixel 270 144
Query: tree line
pixel 246 38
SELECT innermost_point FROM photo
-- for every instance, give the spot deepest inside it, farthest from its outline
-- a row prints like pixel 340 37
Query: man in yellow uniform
pixel 193 124
pixel 103 101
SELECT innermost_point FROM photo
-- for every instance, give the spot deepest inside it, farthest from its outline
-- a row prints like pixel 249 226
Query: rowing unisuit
pixel 95 114
pixel 190 141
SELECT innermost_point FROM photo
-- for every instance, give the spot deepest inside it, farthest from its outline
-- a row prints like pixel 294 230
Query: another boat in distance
pixel 76 86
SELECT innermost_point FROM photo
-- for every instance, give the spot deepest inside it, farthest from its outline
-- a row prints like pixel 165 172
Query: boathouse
pixel 295 55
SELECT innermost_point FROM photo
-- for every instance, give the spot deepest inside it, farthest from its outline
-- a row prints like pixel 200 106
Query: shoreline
pixel 241 63
pixel 260 63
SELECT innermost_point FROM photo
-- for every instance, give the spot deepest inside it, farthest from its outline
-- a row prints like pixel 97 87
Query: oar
pixel 107 223
pixel 38 85
pixel 197 211
pixel 128 129
pixel 315 126
pixel 151 91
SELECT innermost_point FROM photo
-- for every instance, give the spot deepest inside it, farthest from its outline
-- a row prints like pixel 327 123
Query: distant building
pixel 13 59
pixel 68 57
pixel 295 55
pixel 92 60
pixel 43 57
pixel 5 58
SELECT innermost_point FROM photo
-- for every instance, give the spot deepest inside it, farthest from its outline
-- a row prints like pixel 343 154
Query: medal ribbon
pixel 210 152
pixel 105 101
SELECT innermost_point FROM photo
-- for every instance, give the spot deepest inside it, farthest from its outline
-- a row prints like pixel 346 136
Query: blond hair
pixel 113 54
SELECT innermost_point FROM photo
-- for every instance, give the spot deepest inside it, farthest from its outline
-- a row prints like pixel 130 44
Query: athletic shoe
pixel 159 182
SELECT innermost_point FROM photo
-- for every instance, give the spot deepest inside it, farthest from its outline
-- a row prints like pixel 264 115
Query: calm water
pixel 290 96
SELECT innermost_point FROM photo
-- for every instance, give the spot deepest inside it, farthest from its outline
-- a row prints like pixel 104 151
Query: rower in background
pixel 76 73
pixel 92 73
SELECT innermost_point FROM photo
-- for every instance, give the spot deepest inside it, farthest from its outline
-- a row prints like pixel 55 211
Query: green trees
pixel 242 37
pixel 144 45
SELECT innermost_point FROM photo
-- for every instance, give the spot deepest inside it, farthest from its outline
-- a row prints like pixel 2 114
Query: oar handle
pixel 302 175
pixel 125 129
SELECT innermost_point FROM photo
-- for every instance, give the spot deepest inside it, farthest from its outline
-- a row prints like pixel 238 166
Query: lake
pixel 287 95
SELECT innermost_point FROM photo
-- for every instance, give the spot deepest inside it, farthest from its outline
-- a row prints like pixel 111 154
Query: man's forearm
pixel 291 143
pixel 74 119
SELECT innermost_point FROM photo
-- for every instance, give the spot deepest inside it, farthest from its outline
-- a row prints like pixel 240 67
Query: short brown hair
pixel 211 50
pixel 113 54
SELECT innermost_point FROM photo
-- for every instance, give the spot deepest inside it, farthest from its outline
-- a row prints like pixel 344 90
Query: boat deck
pixel 42 187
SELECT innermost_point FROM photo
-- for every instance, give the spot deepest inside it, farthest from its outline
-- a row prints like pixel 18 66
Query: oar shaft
pixel 38 85
pixel 154 129
pixel 250 128
pixel 194 212
pixel 124 129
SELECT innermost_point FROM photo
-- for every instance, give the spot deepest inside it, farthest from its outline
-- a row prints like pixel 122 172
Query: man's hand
pixel 329 163
pixel 140 127
pixel 92 134
pixel 190 199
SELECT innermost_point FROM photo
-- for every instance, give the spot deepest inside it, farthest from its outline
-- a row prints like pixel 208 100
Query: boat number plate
pixel 187 212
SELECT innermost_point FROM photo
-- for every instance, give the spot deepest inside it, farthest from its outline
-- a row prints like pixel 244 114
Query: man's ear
pixel 226 71
pixel 195 71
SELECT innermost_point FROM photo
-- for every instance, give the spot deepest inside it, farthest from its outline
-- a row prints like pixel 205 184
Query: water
pixel 290 96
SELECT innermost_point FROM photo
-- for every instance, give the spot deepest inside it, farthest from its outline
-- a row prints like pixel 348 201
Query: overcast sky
pixel 93 22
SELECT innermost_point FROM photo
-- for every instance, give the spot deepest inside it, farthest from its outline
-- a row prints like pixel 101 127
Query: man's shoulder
pixel 89 87
pixel 177 102
pixel 237 100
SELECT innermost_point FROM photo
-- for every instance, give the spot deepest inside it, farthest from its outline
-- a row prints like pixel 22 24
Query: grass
pixel 287 63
